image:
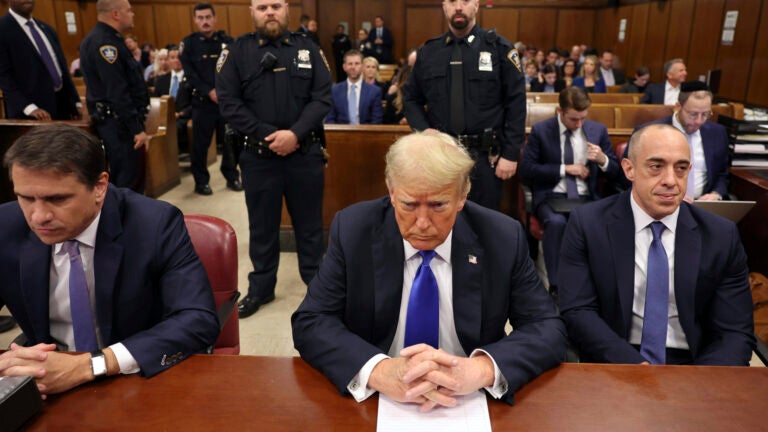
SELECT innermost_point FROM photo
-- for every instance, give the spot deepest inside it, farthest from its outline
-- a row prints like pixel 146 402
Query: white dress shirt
pixel 643 238
pixel 448 339
pixel 670 93
pixel 58 303
pixel 608 76
pixel 579 145
pixel 697 157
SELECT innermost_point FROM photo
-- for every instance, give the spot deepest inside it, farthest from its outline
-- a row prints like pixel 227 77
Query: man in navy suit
pixel 381 39
pixel 666 93
pixel 368 109
pixel 144 299
pixel 352 324
pixel 606 274
pixel 708 141
pixel 35 81
pixel 554 176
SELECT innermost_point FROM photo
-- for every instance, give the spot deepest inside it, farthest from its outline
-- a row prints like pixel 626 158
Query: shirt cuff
pixel 128 364
pixel 500 385
pixel 604 167
pixel 29 109
pixel 358 387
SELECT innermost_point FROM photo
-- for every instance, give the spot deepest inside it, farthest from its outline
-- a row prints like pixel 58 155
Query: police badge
pixel 222 58
pixel 109 53
pixel 303 59
pixel 514 57
pixel 485 64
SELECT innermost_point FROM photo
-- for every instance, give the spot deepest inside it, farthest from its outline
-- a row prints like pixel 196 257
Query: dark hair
pixel 548 69
pixel 204 6
pixel 574 97
pixel 352 52
pixel 642 70
pixel 570 60
pixel 304 18
pixel 606 51
pixel 59 147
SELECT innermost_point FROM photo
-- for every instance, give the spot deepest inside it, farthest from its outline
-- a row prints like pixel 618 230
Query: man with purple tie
pixel 424 280
pixel 647 278
pixel 91 268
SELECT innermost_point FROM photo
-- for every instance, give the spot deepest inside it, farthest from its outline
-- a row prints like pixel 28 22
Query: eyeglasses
pixel 697 115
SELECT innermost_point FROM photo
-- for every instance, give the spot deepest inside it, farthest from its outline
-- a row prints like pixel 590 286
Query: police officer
pixel 116 94
pixel 471 82
pixel 199 54
pixel 275 89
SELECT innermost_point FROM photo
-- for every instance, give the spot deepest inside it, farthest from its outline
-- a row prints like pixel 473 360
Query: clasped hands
pixel 430 377
pixel 53 371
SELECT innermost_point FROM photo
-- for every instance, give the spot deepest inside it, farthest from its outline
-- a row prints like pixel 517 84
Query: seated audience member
pixel 312 32
pixel 354 100
pixel 176 85
pixel 588 78
pixel 569 71
pixel 531 73
pixel 393 109
pixel 90 268
pixel 158 68
pixel 548 81
pixel 648 278
pixel 575 55
pixel 133 46
pixel 607 73
pixel 410 273
pixel 666 92
pixel 563 159
pixel 637 85
pixel 708 179
pixel 371 74
pixel 553 57
pixel 147 50
pixel 541 59
pixel 530 54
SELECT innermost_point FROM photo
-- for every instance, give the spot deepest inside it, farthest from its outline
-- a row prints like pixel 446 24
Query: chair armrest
pixel 226 308
pixel 761 350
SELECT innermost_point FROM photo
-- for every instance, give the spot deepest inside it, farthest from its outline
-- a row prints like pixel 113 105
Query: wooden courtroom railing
pixel 608 98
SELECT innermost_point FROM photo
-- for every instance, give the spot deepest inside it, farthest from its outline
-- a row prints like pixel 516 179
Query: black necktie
pixel 570 181
pixel 457 90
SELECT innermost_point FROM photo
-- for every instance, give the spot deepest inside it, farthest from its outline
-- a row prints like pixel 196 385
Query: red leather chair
pixel 216 244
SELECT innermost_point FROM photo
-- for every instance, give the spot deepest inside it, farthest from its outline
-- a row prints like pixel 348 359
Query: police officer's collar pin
pixel 448 40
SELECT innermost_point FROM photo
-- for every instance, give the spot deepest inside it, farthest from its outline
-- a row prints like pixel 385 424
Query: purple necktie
pixel 571 188
pixel 79 301
pixel 422 321
pixel 653 345
pixel 45 55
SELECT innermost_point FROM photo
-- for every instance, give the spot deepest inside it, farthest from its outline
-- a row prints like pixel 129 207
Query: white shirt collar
pixel 669 87
pixel 676 123
pixel 20 19
pixel 87 237
pixel 443 250
pixel 642 219
pixel 358 83
pixel 562 127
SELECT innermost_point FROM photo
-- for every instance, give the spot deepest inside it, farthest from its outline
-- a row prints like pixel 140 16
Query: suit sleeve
pixel 377 111
pixel 333 114
pixel 189 324
pixel 541 172
pixel 9 86
pixel 647 96
pixel 579 303
pixel 614 171
pixel 720 162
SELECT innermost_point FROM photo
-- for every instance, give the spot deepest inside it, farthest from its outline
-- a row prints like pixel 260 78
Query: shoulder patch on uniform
pixel 222 59
pixel 322 56
pixel 514 57
pixel 108 53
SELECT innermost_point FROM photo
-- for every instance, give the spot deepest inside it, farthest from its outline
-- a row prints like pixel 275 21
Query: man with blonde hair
pixel 416 288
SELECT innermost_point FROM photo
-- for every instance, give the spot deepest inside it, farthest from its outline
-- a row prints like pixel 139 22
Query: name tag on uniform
pixel 303 60
pixel 485 64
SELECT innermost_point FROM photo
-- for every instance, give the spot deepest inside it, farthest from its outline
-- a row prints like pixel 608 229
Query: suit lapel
pixel 709 154
pixel 687 252
pixel 388 259
pixel 620 235
pixel 34 269
pixel 107 259
pixel 467 261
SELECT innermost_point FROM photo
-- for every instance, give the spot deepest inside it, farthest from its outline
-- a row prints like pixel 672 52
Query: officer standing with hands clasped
pixel 471 82
pixel 274 89
pixel 116 95
pixel 199 53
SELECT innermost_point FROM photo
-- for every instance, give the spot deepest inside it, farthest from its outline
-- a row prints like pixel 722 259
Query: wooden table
pixel 285 394
pixel 751 184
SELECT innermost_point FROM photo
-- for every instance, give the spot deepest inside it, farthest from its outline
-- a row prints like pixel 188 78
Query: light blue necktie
pixel 79 301
pixel 422 322
pixel 654 343
pixel 174 85
pixel 352 105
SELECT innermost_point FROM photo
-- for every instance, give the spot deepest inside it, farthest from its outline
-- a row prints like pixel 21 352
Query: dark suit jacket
pixel 183 95
pixel 541 158
pixel 654 94
pixel 369 106
pixel 597 268
pixel 618 76
pixel 382 51
pixel 152 292
pixel 352 306
pixel 598 88
pixel 24 78
pixel 714 140
pixel 538 87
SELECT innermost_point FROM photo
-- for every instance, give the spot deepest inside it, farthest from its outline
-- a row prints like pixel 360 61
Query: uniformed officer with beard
pixel 274 89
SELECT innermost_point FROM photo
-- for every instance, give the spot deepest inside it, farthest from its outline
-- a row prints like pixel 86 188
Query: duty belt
pixel 486 141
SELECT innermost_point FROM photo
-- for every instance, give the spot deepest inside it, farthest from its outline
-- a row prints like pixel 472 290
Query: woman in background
pixel 371 74
pixel 159 67
pixel 569 71
pixel 588 78
pixel 393 110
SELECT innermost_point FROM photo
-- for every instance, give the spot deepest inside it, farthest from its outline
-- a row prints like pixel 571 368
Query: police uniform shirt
pixel 494 88
pixel 268 85
pixel 199 56
pixel 113 76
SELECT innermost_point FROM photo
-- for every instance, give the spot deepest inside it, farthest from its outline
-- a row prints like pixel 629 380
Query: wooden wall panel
pixel 176 21
pixel 637 29
pixel 504 20
pixel 574 27
pixel 240 20
pixel 539 27
pixel 655 40
pixel 422 24
pixel 735 60
pixel 678 34
pixel 606 30
pixel 69 42
pixel 705 37
pixel 343 10
pixel 144 23
pixel 757 92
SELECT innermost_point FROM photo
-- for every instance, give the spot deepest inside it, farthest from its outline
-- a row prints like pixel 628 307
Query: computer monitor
pixel 713 80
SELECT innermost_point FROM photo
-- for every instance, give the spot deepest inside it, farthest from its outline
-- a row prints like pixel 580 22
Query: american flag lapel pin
pixel 472 259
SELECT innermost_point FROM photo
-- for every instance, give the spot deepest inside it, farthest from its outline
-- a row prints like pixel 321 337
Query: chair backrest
pixel 538 112
pixel 631 116
pixel 216 244
pixel 604 114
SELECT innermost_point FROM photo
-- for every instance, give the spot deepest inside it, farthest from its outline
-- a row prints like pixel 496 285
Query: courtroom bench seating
pixel 162 162
pixel 609 98
pixel 387 72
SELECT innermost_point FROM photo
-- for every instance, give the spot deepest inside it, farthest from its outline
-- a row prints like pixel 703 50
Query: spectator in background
pixel 588 78
pixel 575 55
pixel 531 73
pixel 541 59
pixel 303 24
pixel 393 109
pixel 341 44
pixel 371 74
pixel 312 32
pixel 530 54
pixel 569 71
pixel 365 47
pixel 548 81
pixel 639 84
pixel 553 57
pixel 175 84
pixel 668 91
pixel 381 39
pixel 133 46
pixel 158 67
pixel 607 73
pixel 146 49
pixel 355 101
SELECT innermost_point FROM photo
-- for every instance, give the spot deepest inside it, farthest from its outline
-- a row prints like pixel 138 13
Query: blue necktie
pixel 352 105
pixel 79 301
pixel 654 343
pixel 422 321
pixel 174 85
pixel 571 188
pixel 45 55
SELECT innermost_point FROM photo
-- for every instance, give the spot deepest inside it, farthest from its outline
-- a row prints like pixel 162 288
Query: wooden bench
pixel 162 163
pixel 608 98
pixel 387 72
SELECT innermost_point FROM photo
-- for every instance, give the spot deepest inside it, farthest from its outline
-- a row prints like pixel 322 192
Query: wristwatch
pixel 98 364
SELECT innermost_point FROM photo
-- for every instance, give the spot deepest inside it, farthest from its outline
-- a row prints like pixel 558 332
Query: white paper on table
pixel 469 414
